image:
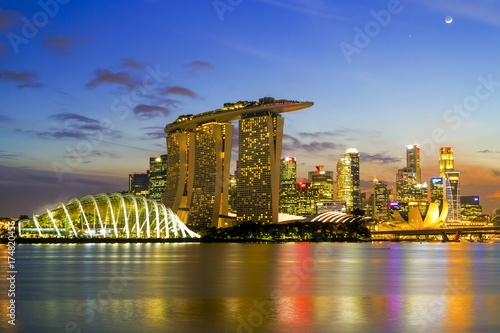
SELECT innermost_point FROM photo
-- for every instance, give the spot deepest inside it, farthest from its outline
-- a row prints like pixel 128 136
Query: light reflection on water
pixel 430 287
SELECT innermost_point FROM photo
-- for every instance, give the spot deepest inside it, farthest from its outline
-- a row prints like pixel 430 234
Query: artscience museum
pixel 107 215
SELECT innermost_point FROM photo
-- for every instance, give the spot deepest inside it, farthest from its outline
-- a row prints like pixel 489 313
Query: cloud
pixel 489 151
pixel 198 65
pixel 18 76
pixel 105 76
pixel 494 196
pixel 96 153
pixel 496 173
pixel 8 156
pixel 76 126
pixel 323 134
pixel 59 44
pixel 73 117
pixel 179 91
pixel 130 63
pixel 27 78
pixel 315 146
pixel 379 158
pixel 4 119
pixel 150 111
pixel 30 85
pixel 155 133
pixel 9 19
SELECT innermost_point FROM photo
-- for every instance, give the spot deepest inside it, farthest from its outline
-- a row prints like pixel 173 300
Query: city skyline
pixel 415 79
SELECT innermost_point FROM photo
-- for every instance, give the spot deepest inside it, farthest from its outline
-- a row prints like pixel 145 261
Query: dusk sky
pixel 87 87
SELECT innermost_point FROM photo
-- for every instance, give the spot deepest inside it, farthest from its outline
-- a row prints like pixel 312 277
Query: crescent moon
pixel 448 19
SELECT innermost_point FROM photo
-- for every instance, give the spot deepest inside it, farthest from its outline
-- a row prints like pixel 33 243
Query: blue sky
pixel 85 93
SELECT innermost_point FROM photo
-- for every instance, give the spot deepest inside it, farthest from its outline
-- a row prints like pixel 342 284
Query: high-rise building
pixel 436 190
pixel 381 198
pixel 495 217
pixel 199 154
pixel 323 181
pixel 288 185
pixel 306 204
pixel 138 184
pixel 413 160
pixel 406 179
pixel 348 184
pixel 157 177
pixel 260 138
pixel 452 190
pixel 210 160
pixel 446 161
pixel 470 208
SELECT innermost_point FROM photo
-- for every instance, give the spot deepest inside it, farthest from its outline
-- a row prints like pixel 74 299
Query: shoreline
pixel 171 240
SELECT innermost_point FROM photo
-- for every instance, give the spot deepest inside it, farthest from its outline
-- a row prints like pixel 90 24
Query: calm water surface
pixel 412 287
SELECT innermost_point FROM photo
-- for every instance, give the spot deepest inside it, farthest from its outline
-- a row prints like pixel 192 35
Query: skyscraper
pixel 348 184
pixel 446 161
pixel 260 138
pixel 288 185
pixel 199 154
pixel 405 181
pixel 322 181
pixel 138 183
pixel 413 160
pixel 208 185
pixel 436 190
pixel 157 177
pixel 381 198
pixel 470 208
pixel 452 190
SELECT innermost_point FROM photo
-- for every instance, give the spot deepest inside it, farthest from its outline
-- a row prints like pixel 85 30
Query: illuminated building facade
pixel 306 205
pixel 452 190
pixel 446 161
pixel 322 181
pixel 436 190
pixel 175 188
pixel 199 154
pixel 381 198
pixel 413 160
pixel 138 184
pixel 288 185
pixel 495 217
pixel 260 139
pixel 470 208
pixel 208 177
pixel 348 184
pixel 157 177
pixel 406 179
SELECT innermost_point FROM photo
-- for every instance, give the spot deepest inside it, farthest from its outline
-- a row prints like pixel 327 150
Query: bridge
pixel 444 232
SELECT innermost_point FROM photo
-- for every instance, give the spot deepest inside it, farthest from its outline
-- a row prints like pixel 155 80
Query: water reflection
pixel 257 287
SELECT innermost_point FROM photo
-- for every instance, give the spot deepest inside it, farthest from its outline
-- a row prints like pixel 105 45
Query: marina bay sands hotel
pixel 199 157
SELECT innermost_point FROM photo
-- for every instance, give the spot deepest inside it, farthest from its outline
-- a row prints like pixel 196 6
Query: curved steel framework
pixel 338 217
pixel 114 215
